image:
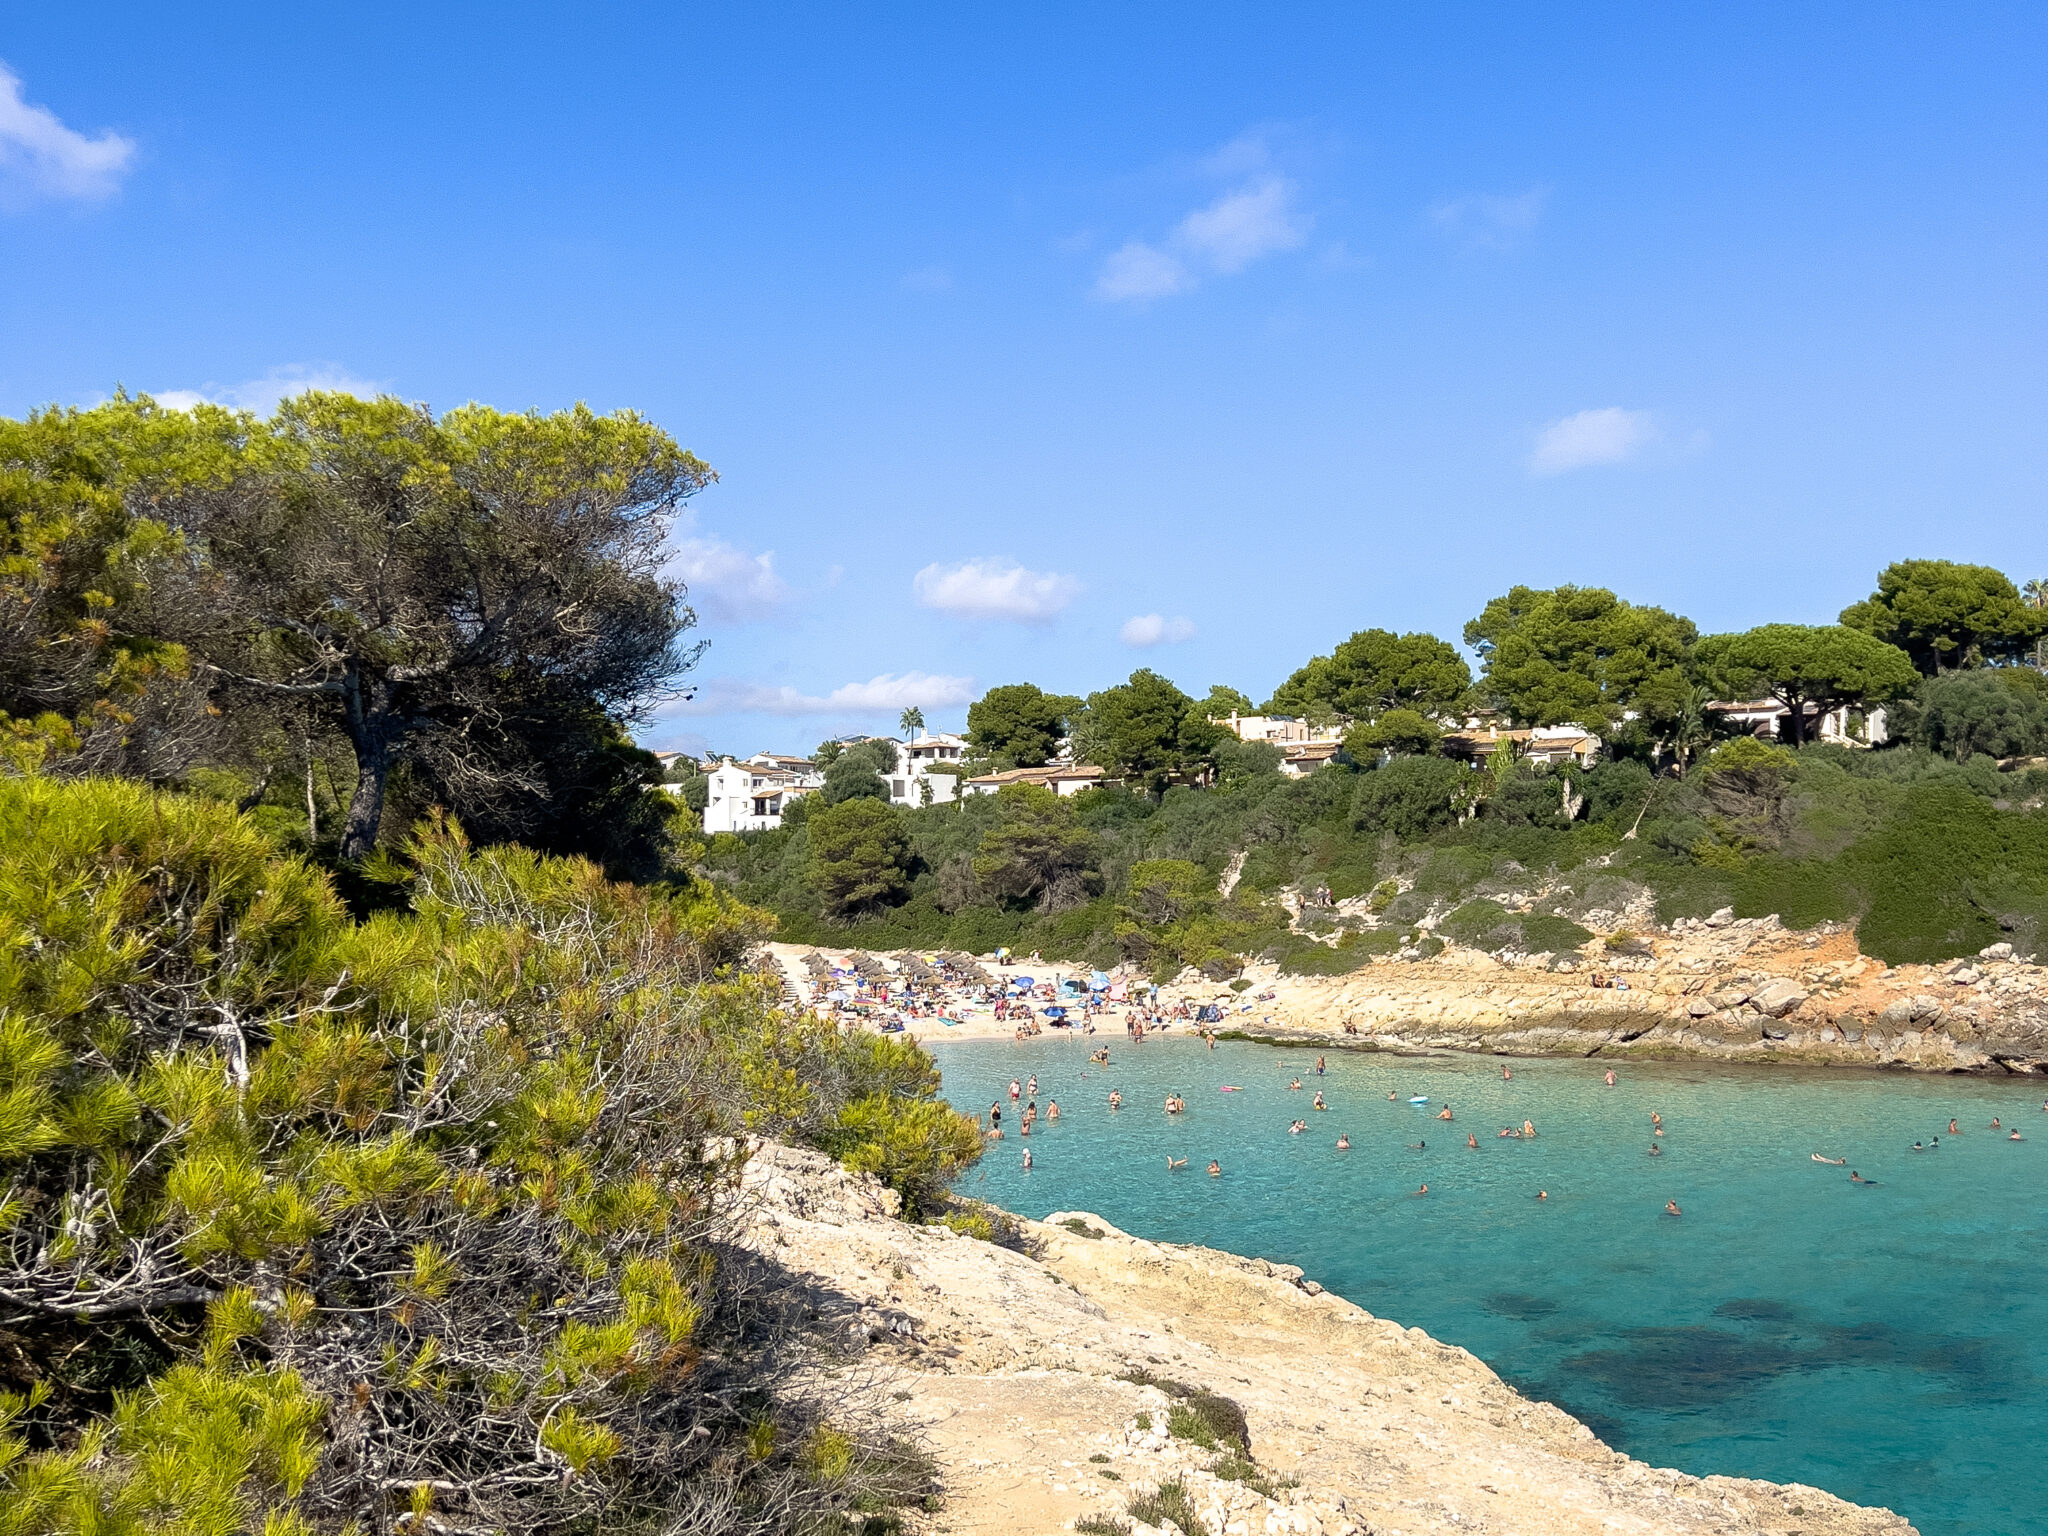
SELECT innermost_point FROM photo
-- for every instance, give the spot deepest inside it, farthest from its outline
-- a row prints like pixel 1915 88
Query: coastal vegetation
pixel 375 1074
pixel 1933 843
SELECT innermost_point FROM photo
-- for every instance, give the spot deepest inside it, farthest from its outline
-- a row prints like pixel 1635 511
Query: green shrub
pixel 1171 1501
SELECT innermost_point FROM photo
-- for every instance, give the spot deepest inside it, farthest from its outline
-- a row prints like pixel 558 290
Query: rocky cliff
pixel 1088 1376
pixel 1716 988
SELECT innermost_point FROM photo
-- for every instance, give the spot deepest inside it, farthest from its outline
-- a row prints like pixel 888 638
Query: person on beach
pixel 1610 1077
pixel 1215 1169
pixel 1671 1208
pixel 1344 1142
pixel 1116 1100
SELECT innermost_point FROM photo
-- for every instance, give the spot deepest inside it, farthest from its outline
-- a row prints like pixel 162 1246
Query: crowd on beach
pixel 1023 996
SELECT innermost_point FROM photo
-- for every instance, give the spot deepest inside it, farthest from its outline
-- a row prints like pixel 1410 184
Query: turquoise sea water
pixel 1888 1343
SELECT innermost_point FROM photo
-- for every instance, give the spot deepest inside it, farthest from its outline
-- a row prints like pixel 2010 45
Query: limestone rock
pixel 1723 918
pixel 1779 996
pixel 1998 951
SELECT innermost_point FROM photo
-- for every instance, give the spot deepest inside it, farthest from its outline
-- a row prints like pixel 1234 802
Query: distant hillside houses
pixel 750 794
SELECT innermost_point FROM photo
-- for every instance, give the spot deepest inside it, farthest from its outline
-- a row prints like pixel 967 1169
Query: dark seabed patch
pixel 1520 1304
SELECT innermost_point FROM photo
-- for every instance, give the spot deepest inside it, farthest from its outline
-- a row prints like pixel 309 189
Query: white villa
pixel 751 795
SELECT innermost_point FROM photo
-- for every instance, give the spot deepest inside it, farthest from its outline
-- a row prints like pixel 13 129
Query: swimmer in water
pixel 1027 1159
pixel 1215 1169
pixel 1671 1208
pixel 1319 1066
pixel 2015 1136
pixel 1417 1146
pixel 1116 1100
pixel 1390 1098
pixel 1015 1088
pixel 1174 1162
pixel 1319 1104
pixel 1344 1142
pixel 1423 1191
pixel 1052 1109
pixel 1472 1142
pixel 1294 1086
pixel 1857 1178
pixel 1994 1123
pixel 1952 1129
pixel 1031 1088
pixel 1655 1118
pixel 1505 1074
pixel 1444 1113
pixel 1297 1128
pixel 1655 1150
pixel 1918 1148
pixel 1542 1194
pixel 1528 1128
pixel 1610 1077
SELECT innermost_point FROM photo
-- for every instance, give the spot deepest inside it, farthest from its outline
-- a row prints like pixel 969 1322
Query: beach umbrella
pixel 1020 983
pixel 1098 982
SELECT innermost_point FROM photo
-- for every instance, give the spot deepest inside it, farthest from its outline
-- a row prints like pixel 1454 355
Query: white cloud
pixel 1609 435
pixel 1484 219
pixel 1140 271
pixel 261 395
pixel 728 585
pixel 1252 220
pixel 1153 629
pixel 890 693
pixel 41 158
pixel 995 589
pixel 1241 226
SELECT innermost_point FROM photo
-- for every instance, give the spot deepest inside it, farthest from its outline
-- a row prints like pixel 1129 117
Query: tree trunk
pixel 1797 719
pixel 374 755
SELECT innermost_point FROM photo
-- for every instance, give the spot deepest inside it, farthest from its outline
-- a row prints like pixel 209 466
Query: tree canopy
pixel 1995 711
pixel 857 772
pixel 1403 732
pixel 1224 701
pixel 859 851
pixel 1945 615
pixel 1807 667
pixel 1377 670
pixel 1037 851
pixel 1581 656
pixel 1018 725
pixel 1145 730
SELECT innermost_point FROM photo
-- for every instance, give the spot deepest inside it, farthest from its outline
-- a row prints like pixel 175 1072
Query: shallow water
pixel 1887 1343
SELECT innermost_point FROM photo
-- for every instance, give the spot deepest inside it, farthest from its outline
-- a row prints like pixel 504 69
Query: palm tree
pixel 1694 727
pixel 911 721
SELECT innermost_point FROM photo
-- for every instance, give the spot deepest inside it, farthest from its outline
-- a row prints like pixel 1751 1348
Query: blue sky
pixel 1048 346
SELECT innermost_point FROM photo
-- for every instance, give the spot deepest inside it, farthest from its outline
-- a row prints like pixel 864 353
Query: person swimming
pixel 1542 1194
pixel 1472 1142
pixel 1116 1100
pixel 1417 1146
pixel 1391 1097
pixel 1015 1088
pixel 1838 1162
pixel 1031 1088
pixel 1671 1208
pixel 1215 1169
pixel 1857 1178
pixel 1319 1104
pixel 1027 1159
pixel 1505 1074
pixel 1994 1123
pixel 1423 1191
pixel 1052 1109
pixel 1344 1142
pixel 1175 1162
pixel 1655 1150
pixel 1294 1086
pixel 1952 1129
pixel 1916 1147
pixel 1610 1077
pixel 1655 1118
pixel 1528 1129
pixel 1444 1113
pixel 2015 1136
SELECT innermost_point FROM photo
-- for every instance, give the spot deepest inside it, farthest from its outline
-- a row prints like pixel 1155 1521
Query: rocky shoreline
pixel 1718 989
pixel 1082 1376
